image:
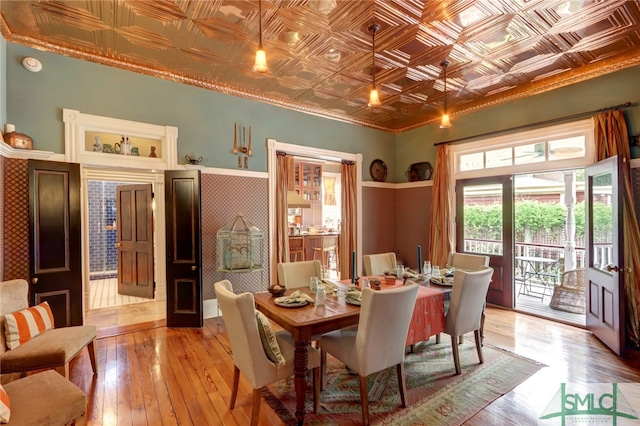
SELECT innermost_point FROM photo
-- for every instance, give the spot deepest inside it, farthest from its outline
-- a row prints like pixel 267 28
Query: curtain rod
pixel 538 124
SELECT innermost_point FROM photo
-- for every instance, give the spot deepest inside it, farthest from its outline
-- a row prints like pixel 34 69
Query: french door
pixel 495 195
pixel 604 287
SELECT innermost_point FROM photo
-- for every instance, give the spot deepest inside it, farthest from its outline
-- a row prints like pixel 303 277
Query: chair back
pixel 297 274
pixel 467 300
pixel 329 242
pixel 378 264
pixel 384 322
pixel 467 262
pixel 574 279
pixel 15 297
pixel 239 315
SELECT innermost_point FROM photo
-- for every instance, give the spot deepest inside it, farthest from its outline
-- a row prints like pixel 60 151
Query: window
pixel 567 145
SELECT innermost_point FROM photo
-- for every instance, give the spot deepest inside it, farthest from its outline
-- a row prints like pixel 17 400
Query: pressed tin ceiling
pixel 319 51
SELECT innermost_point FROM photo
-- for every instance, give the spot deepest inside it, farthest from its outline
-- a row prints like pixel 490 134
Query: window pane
pixel 499 157
pixel 532 153
pixel 483 219
pixel 472 161
pixel 566 148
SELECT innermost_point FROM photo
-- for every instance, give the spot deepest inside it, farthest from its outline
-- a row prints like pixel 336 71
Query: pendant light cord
pixel 260 22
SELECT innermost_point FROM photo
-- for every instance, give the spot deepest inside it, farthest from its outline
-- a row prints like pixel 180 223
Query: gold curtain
pixel 283 162
pixel 441 231
pixel 611 138
pixel 348 233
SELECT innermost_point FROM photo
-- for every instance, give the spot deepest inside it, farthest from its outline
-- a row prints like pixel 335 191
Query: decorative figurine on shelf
pixel 153 152
pixel 97 147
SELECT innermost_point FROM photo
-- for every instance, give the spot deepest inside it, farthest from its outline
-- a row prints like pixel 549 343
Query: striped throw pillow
pixel 26 324
pixel 5 407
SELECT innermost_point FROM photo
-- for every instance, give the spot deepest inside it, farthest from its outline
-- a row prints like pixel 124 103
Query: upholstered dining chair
pixel 379 340
pixel 466 307
pixel 467 262
pixel 32 347
pixel 261 355
pixel 378 264
pixel 297 274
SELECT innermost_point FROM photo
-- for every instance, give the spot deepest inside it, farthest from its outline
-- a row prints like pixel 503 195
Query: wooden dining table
pixel 311 320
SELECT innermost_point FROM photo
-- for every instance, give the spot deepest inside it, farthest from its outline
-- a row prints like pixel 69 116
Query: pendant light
pixel 261 58
pixel 445 123
pixel 374 97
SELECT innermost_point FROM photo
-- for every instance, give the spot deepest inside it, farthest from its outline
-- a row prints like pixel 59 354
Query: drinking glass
pixel 400 271
pixel 426 269
pixel 313 284
pixel 435 271
pixel 321 296
pixel 364 283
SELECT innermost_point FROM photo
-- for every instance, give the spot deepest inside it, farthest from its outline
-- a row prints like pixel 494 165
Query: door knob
pixel 194 267
pixel 117 245
pixel 34 280
pixel 613 268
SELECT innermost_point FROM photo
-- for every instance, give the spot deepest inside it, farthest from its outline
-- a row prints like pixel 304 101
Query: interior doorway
pixel 105 305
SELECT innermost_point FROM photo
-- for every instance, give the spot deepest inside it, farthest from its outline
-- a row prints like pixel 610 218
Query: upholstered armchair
pixel 49 348
pixel 263 356
pixel 466 308
pixel 44 398
pixel 297 274
pixel 378 264
pixel 379 340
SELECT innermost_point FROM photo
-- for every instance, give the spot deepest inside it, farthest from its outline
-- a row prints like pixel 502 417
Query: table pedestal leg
pixel 300 362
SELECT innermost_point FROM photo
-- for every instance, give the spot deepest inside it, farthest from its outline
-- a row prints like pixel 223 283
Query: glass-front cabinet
pixel 307 178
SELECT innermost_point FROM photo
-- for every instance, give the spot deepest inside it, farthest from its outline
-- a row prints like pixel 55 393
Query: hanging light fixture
pixel 374 97
pixel 445 123
pixel 261 58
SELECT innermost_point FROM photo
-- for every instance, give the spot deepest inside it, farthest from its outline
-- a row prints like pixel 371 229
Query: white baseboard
pixel 210 309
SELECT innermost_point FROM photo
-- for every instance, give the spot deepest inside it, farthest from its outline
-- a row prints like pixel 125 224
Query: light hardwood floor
pixel 153 375
pixel 110 309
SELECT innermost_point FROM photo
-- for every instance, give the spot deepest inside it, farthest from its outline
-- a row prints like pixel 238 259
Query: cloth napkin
pixel 354 295
pixel 297 297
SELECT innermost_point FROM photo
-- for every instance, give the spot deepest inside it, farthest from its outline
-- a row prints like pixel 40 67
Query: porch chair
pixel 297 274
pixel 569 296
pixel 52 348
pixel 263 356
pixel 379 340
pixel 465 311
pixel 378 264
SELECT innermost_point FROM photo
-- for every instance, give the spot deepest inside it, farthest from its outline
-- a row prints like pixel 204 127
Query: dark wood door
pixel 184 249
pixel 135 240
pixel 605 299
pixel 497 243
pixel 55 262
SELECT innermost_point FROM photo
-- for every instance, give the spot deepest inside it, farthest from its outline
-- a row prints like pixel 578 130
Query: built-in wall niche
pixel 109 143
pixel 112 142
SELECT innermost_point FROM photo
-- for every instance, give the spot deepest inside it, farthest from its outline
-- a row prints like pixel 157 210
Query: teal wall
pixel 204 118
pixel 612 89
pixel 34 103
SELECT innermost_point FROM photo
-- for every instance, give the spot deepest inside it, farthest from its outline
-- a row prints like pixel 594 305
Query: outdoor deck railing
pixel 602 253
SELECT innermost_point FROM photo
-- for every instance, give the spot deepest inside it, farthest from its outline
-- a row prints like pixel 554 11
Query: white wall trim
pixel 273 146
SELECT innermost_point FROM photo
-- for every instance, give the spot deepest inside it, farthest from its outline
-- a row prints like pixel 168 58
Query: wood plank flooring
pixel 154 375
pixel 104 294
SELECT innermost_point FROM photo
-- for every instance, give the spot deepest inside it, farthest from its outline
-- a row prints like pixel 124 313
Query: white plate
pixel 352 301
pixel 448 282
pixel 280 301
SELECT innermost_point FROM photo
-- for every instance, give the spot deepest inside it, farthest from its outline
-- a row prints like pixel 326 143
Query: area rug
pixel 435 394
